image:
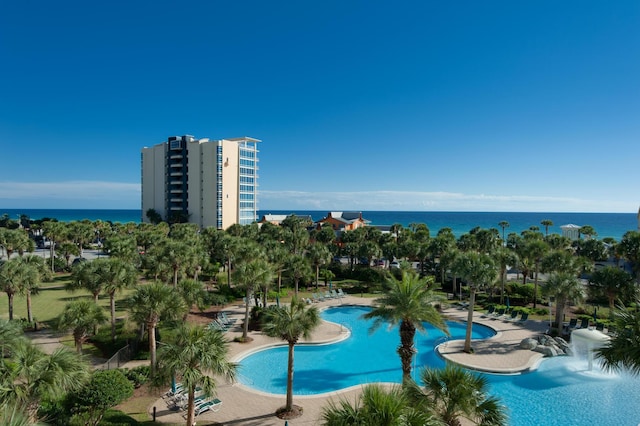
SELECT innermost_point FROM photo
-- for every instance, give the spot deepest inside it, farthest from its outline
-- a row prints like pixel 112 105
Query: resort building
pixel 212 183
pixel 345 221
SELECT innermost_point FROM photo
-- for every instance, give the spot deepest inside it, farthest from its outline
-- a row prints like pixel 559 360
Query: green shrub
pixel 106 389
pixel 138 375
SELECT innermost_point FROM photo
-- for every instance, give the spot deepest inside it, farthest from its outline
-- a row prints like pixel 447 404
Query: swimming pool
pixel 560 392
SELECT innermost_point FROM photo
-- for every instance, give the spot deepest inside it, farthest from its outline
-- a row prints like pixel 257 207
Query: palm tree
pixel 32 375
pixel 55 232
pixel 83 275
pixel 29 288
pixel 116 275
pixel 504 257
pixel 503 224
pixel 16 277
pixel 250 275
pixel 534 251
pixel 193 293
pixel 456 393
pixel 478 270
pixel 408 302
pixel 629 247
pixel 196 354
pixel 319 255
pixel 378 406
pixel 82 317
pixel 613 283
pixel 564 287
pixel 623 350
pixel 299 268
pixel 546 223
pixel 290 323
pixel 151 304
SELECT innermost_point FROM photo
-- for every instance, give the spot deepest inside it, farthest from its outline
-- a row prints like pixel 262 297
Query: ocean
pixel 606 224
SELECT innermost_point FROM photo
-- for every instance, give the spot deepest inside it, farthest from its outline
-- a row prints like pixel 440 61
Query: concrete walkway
pixel 247 407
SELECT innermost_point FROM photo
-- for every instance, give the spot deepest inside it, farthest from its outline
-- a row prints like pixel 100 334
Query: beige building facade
pixel 212 183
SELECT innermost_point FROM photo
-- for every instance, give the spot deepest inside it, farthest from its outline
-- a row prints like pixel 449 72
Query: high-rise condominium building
pixel 201 181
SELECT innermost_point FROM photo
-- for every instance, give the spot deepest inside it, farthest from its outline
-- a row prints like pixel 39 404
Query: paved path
pixel 247 407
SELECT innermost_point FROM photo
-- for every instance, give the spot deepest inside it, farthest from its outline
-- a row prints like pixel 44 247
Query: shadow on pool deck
pixel 247 407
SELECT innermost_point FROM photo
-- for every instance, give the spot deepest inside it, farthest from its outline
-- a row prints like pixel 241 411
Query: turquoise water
pixel 560 392
pixel 363 358
pixel 606 224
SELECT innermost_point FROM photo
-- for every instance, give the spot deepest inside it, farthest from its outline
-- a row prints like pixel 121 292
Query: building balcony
pixel 176 191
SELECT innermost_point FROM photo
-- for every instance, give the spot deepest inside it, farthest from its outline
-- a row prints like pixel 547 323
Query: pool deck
pixel 247 407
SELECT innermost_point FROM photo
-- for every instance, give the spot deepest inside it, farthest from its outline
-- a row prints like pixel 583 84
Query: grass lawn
pixel 49 303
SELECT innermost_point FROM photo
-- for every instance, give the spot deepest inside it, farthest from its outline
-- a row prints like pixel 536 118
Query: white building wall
pixel 153 180
pixel 230 164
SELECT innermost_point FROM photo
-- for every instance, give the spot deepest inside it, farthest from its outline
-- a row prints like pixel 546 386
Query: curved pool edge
pixel 499 354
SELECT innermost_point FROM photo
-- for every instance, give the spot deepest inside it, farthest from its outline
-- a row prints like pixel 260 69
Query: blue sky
pixel 361 105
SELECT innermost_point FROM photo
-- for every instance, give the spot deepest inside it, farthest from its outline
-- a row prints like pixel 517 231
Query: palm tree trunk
pixel 317 275
pixel 29 313
pixel 535 288
pixel 245 326
pixel 10 295
pixel 191 406
pixel 406 349
pixel 112 304
pixel 289 404
pixel 467 337
pixel 152 347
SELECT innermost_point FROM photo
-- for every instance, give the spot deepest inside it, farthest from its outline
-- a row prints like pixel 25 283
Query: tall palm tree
pixel 503 224
pixel 194 357
pixel 613 283
pixel 55 232
pixel 534 251
pixel 319 255
pixel 82 317
pixel 564 287
pixel 151 304
pixel 114 275
pixel 409 303
pixel 299 268
pixel 504 257
pixel 251 275
pixel 290 323
pixel 623 350
pixel 14 276
pixel 546 223
pixel 31 286
pixel 193 293
pixel 456 393
pixel 32 375
pixel 378 406
pixel 83 275
pixel 478 270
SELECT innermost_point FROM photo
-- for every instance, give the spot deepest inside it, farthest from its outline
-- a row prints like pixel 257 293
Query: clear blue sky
pixel 361 105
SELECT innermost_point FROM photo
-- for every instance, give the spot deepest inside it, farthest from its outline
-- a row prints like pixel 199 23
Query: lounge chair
pixel 225 319
pixel 523 318
pixel 490 311
pixel 600 326
pixel 317 298
pixel 573 322
pixel 497 314
pixel 210 405
pixel 584 323
pixel 463 305
pixel 334 294
pixel 511 318
pixel 341 293
pixel 217 325
pixel 327 295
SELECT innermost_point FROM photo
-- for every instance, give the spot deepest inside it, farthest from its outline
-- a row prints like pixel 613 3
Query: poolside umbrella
pixel 173 384
pixel 278 300
pixel 508 306
pixel 330 284
pixel 595 314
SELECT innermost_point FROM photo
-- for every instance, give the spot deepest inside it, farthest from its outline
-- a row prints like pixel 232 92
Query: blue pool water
pixel 559 392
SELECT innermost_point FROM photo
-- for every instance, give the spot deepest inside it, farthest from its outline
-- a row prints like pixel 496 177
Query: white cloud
pixel 432 201
pixel 70 194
